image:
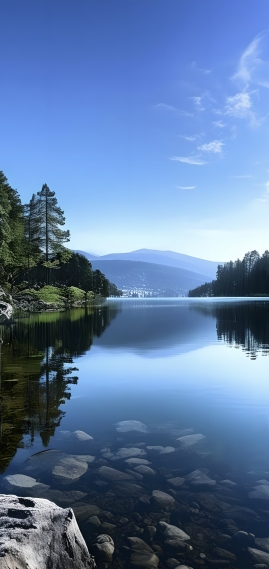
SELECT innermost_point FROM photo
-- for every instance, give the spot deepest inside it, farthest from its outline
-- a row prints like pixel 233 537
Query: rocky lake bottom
pixel 151 421
pixel 158 492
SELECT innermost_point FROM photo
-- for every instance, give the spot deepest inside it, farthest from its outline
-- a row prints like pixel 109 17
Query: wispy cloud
pixel 239 105
pixel 189 160
pixel 185 187
pixel 243 176
pixel 215 146
pixel 253 66
pixel 171 109
pixel 219 124
pixel 198 103
pixel 201 69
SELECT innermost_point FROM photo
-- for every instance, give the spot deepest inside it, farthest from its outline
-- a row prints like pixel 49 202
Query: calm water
pixel 180 367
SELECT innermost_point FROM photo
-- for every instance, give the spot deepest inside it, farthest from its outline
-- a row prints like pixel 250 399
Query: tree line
pixel 32 250
pixel 246 277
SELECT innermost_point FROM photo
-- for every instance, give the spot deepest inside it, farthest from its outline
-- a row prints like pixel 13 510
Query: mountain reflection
pixel 244 325
pixel 36 372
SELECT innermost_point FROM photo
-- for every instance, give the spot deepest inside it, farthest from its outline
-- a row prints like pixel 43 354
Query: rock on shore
pixel 36 534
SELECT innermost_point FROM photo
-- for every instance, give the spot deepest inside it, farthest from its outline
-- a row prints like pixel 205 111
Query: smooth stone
pixel 162 499
pixel 178 545
pixel 69 469
pixel 142 555
pixel 137 461
pixel 36 533
pixel 83 457
pixel 112 475
pixel 83 510
pixel 224 554
pixel 183 567
pixel 244 538
pixel 128 453
pixel 103 548
pixel 259 556
pixel 142 469
pixel 228 483
pixel 135 474
pixel 20 482
pixel 198 478
pixel 172 563
pixel 170 532
pixel 167 450
pixel 260 492
pixel 262 543
pixel 128 489
pixel 93 525
pixel 125 426
pixel 79 436
pixel 176 481
pixel 189 440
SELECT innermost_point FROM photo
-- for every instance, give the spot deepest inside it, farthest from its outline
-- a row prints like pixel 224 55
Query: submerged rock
pixel 260 492
pixel 128 453
pixel 171 532
pixel 25 522
pixel 137 461
pixel 103 549
pixel 69 469
pixel 76 436
pixel 176 481
pixel 142 469
pixel 21 484
pixel 112 475
pixel 162 500
pixel 259 556
pixel 142 555
pixel 125 426
pixel 189 440
pixel 199 478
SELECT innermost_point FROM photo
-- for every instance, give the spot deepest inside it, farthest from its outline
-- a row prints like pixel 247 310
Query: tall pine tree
pixel 51 236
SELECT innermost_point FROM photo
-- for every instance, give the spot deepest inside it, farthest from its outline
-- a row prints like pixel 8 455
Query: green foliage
pixel 249 277
pixel 32 251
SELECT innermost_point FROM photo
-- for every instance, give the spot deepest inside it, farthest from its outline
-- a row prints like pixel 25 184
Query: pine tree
pixel 32 233
pixel 51 236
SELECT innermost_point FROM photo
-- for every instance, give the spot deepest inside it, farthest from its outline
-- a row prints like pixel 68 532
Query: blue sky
pixel 148 118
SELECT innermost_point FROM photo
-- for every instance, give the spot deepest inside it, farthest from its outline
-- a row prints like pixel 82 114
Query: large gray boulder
pixel 37 534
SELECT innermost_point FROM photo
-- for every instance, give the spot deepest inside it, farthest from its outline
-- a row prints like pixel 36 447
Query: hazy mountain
pixel 158 279
pixel 167 258
pixel 163 273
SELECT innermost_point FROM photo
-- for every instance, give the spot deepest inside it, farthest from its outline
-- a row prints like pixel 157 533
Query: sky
pixel 148 118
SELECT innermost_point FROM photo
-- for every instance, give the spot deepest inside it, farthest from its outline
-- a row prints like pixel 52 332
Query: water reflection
pixel 241 325
pixel 36 372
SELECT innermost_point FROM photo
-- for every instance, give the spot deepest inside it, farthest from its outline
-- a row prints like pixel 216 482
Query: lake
pixel 143 411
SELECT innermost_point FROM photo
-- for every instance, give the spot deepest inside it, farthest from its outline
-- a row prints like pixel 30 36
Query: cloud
pixel 253 65
pixel 185 187
pixel 201 69
pixel 198 103
pixel 219 124
pixel 240 107
pixel 265 197
pixel 215 146
pixel 243 176
pixel 171 109
pixel 188 160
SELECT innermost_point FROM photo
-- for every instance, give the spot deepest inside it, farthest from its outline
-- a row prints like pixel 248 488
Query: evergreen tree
pixel 51 236
pixel 13 257
pixel 32 233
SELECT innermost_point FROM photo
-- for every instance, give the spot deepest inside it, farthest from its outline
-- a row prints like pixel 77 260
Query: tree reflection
pixel 37 372
pixel 244 325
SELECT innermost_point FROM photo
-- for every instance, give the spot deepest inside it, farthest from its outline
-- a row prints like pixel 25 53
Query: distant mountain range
pixel 149 271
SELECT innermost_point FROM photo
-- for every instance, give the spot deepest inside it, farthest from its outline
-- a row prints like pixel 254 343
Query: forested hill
pixel 32 250
pixel 249 277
